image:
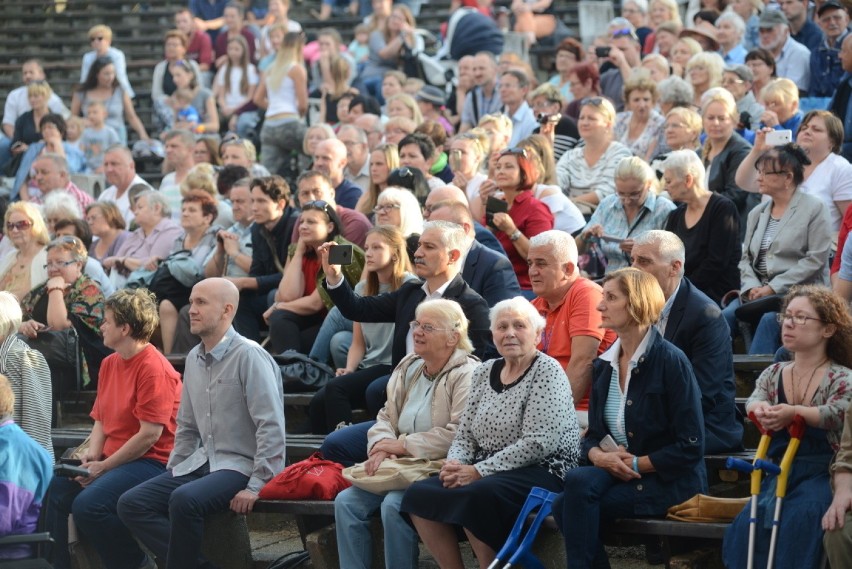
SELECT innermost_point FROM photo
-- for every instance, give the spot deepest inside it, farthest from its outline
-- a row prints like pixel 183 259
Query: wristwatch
pixel 516 235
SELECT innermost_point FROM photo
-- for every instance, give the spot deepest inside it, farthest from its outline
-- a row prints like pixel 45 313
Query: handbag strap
pixel 267 236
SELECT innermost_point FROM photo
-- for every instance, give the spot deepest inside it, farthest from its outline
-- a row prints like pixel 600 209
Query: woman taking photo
pixel 283 92
pixel 383 159
pixel 526 216
pixel 660 457
pixel 197 213
pixel 724 149
pixel 817 386
pixel 107 225
pixel 386 267
pixel 68 298
pixel 639 127
pixel 135 417
pixel 23 268
pixel 101 86
pixel 828 176
pixel 585 172
pixel 787 241
pixel 518 430
pixel 707 223
pixel 300 304
pixel 426 396
pixel 633 209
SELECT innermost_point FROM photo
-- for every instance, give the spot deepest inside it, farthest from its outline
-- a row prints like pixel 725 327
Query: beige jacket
pixel 448 401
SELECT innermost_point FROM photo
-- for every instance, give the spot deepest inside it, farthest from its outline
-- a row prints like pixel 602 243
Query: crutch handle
pixel 753 418
pixel 767 466
pixel 739 465
pixel 797 427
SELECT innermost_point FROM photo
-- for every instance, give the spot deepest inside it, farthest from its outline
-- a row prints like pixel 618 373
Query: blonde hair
pixel 713 62
pixel 501 122
pixel 39 88
pixel 781 88
pixel 409 103
pixel 403 123
pixel 722 96
pixel 101 30
pixel 288 55
pixel 391 154
pixel 31 212
pixel 450 315
pixel 200 177
pixel 645 299
pixel 693 45
pixel 393 237
pixel 690 118
pixel 636 169
pixel 339 69
pixel 324 127
pixel 674 11
pixel 640 82
pixel 604 106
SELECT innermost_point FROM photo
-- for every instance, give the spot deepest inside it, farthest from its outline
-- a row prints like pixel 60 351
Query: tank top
pixel 283 99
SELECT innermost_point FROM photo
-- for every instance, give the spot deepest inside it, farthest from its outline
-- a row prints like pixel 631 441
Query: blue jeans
pixel 5 151
pixel 333 340
pixel 95 514
pixel 591 496
pixel 353 509
pixel 167 513
pixel 348 445
pixel 767 336
pixel 246 124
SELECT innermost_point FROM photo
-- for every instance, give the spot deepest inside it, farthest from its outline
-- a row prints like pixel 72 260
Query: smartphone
pixel 340 255
pixel 492 206
pixel 608 444
pixel 779 137
pixel 71 461
pixel 68 471
pixel 611 239
pixel 602 51
pixel 455 160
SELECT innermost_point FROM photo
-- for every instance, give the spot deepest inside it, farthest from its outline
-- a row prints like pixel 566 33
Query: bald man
pixel 455 194
pixel 220 460
pixel 489 273
pixel 330 159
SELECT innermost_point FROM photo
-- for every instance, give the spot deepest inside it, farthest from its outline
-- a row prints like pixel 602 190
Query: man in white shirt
pixel 179 146
pixel 357 155
pixel 120 172
pixel 792 59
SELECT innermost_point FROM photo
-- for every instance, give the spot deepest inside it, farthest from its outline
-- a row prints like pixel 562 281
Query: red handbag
pixel 311 479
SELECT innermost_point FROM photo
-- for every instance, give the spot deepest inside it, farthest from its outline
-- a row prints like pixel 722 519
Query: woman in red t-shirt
pixel 135 416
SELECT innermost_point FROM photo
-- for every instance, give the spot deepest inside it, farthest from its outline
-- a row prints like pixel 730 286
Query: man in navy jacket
pixel 694 323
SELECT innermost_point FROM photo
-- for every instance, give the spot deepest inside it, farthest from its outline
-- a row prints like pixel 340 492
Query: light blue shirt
pixel 523 124
pixel 736 56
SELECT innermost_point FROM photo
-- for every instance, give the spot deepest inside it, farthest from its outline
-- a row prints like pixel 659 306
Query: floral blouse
pixel 650 135
pixel 831 397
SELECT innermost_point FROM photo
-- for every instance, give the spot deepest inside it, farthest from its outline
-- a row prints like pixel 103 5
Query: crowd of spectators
pixel 532 273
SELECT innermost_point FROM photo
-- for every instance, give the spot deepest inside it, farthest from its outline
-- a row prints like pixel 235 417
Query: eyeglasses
pixel 762 173
pixel 385 207
pixel 96 38
pixel 427 328
pixel 516 151
pixel 630 196
pixel 594 101
pixel 18 225
pixel 698 67
pixel 58 264
pixel 674 125
pixel 797 319
pixel 729 81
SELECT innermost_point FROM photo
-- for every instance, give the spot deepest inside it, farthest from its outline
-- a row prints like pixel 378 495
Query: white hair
pixel 641 5
pixel 452 234
pixel 560 244
pixel 734 19
pixel 410 215
pixel 676 91
pixel 10 315
pixel 59 204
pixel 670 246
pixel 683 162
pixel 518 305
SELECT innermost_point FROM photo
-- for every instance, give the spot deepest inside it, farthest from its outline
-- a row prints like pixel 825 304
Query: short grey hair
pixel 360 133
pixel 734 19
pixel 518 305
pixel 452 234
pixel 186 137
pixel 60 162
pixel 683 162
pixel 642 5
pixel 61 205
pixel 156 198
pixel 559 243
pixel 670 245
pixel 10 315
pixel 675 91
pixel 451 315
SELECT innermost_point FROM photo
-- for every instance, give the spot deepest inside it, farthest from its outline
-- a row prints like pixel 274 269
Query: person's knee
pixel 89 506
pixel 183 503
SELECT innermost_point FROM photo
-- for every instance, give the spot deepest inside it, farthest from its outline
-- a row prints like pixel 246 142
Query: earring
pixel 393 259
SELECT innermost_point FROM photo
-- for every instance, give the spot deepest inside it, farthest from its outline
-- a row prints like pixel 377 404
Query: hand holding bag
pixel 311 479
pixel 392 474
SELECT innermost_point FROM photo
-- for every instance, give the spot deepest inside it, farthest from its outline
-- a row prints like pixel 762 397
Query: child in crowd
pixel 181 103
pixel 359 48
pixel 234 88
pixel 74 131
pixel 97 137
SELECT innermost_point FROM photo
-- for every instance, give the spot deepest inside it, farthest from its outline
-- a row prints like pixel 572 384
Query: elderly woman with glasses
pixel 586 173
pixel 108 226
pixel 788 237
pixel 681 131
pixel 639 127
pixel 23 268
pixel 426 396
pixel 28 375
pixel 68 298
pixel 646 404
pixel 301 303
pixel 518 430
pixel 816 386
pixel 399 208
pixel 633 209
pixel 524 216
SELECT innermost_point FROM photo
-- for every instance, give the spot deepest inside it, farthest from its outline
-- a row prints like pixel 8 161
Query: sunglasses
pixel 96 38
pixel 624 32
pixel 18 225
pixel 403 171
pixel 318 205
pixel 516 151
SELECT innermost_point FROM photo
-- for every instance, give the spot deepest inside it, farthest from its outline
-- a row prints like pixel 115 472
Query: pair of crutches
pixel 761 465
pixel 518 546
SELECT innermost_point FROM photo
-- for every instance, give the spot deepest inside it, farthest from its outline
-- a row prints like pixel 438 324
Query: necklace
pixel 800 397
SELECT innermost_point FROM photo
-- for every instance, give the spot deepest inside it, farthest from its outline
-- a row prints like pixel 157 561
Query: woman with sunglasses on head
pixel 67 298
pixel 300 303
pixel 787 240
pixel 525 216
pixel 23 268
pixel 634 209
pixel 586 173
pixel 817 386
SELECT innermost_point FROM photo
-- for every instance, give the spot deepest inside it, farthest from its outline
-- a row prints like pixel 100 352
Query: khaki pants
pixel 838 544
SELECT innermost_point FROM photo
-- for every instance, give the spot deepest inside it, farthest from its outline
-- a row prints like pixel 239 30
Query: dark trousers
pixel 95 515
pixel 348 445
pixel 591 496
pixel 184 339
pixel 334 402
pixel 167 513
pixel 248 320
pixel 377 395
pixel 291 331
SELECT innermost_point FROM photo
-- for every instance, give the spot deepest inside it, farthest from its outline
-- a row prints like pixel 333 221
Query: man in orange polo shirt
pixel 573 333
